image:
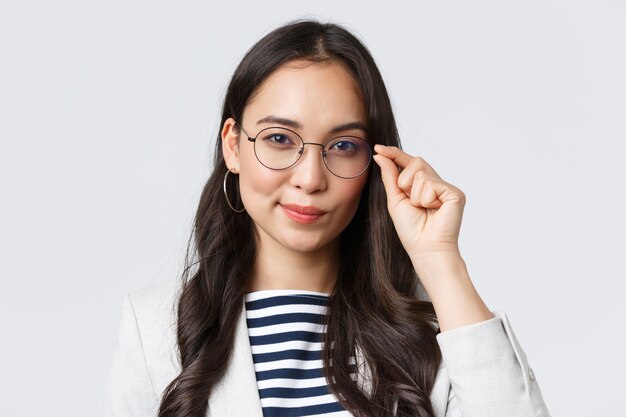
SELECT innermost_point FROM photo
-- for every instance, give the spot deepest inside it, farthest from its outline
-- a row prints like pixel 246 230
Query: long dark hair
pixel 374 306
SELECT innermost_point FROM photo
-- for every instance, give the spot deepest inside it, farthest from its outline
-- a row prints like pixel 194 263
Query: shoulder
pixel 155 311
pixel 157 299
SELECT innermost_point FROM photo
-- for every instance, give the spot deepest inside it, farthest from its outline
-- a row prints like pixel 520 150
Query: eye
pixel 345 145
pixel 278 139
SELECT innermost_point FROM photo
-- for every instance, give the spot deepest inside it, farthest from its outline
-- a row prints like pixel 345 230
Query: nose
pixel 309 173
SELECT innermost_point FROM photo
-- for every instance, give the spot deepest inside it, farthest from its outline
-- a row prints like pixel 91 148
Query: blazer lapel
pixel 237 392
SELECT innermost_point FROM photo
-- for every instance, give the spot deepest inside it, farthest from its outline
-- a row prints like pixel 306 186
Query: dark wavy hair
pixel 375 305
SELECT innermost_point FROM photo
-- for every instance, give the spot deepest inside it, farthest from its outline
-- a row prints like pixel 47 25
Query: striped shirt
pixel 286 333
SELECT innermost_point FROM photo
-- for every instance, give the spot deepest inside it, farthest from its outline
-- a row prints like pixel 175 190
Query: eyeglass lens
pixel 279 148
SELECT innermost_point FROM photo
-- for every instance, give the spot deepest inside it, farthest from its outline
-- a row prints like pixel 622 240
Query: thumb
pixel 389 173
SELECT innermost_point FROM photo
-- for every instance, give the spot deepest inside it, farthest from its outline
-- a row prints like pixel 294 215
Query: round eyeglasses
pixel 280 148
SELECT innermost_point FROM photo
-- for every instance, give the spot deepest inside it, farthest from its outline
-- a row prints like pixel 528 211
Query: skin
pixel 290 254
pixel 426 210
pixel 427 213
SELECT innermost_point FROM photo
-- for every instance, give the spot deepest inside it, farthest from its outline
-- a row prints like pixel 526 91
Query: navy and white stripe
pixel 286 331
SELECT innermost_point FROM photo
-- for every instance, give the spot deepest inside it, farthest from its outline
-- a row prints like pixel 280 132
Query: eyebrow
pixel 297 125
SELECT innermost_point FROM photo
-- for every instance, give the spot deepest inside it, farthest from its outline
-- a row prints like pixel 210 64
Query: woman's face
pixel 316 98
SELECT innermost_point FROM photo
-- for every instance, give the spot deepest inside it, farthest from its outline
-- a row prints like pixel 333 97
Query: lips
pixel 304 209
pixel 302 214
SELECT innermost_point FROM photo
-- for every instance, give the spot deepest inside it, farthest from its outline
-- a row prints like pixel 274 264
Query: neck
pixel 277 267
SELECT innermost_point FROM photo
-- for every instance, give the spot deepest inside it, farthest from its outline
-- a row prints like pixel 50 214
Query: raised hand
pixel 427 213
pixel 426 210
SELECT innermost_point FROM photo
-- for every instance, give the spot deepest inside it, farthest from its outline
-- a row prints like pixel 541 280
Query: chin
pixel 302 244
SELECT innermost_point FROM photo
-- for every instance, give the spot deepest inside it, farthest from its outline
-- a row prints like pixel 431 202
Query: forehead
pixel 315 94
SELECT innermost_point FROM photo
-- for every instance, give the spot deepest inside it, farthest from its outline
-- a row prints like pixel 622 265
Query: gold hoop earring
pixel 226 195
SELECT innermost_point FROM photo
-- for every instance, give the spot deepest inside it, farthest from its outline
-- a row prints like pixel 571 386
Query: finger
pixel 416 190
pixel 389 173
pixel 404 160
pixel 397 155
pixel 430 194
pixel 407 177
pixel 423 193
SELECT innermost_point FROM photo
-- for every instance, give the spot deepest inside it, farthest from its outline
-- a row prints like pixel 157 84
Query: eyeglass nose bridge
pixel 301 150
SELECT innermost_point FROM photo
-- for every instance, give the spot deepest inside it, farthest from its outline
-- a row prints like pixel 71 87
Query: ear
pixel 230 145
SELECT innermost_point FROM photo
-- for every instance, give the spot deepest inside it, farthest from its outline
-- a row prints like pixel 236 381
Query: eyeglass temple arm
pixel 250 138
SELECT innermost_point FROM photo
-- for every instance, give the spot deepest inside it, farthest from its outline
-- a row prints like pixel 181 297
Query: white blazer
pixel 484 371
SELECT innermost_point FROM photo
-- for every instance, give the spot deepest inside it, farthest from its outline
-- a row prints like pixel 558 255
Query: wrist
pixel 430 265
pixel 449 286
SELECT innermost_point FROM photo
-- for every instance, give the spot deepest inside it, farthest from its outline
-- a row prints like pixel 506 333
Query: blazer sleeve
pixel 130 391
pixel 489 373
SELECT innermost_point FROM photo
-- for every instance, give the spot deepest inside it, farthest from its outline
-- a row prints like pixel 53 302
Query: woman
pixel 323 283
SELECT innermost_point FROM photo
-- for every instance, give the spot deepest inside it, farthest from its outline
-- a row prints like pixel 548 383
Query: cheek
pixel 258 185
pixel 350 194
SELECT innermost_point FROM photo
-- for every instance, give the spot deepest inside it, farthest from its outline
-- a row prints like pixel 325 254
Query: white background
pixel 108 116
